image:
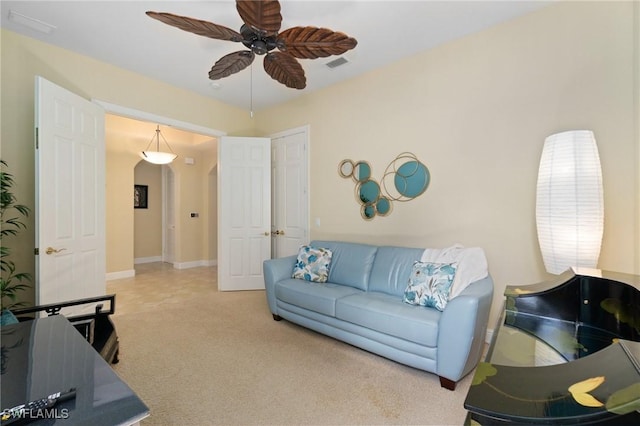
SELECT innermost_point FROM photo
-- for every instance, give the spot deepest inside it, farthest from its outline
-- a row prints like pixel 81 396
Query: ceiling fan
pixel 260 34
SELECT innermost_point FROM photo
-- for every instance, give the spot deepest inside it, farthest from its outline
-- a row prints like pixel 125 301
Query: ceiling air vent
pixel 337 62
pixel 33 23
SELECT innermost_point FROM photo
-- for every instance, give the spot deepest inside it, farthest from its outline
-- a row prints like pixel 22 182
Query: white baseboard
pixel 489 335
pixel 120 274
pixel 151 259
pixel 194 264
pixel 177 265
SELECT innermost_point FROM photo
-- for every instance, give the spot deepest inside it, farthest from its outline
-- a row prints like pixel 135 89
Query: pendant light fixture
pixel 157 156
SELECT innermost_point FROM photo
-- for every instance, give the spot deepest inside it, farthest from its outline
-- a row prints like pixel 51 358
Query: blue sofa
pixel 361 304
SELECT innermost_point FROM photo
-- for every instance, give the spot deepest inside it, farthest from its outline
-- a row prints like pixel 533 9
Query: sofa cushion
pixel 312 264
pixel 317 297
pixel 387 314
pixel 430 284
pixel 391 269
pixel 350 262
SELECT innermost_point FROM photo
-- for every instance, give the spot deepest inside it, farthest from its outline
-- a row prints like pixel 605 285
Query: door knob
pixel 279 232
pixel 266 234
pixel 51 250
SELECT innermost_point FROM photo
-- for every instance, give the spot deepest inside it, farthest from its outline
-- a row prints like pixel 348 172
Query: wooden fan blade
pixel 313 42
pixel 196 26
pixel 261 15
pixel 285 69
pixel 231 64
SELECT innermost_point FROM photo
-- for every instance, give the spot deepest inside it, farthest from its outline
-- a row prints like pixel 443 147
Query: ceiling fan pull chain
pixel 251 91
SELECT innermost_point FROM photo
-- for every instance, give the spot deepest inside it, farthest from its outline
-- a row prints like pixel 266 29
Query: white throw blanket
pixel 472 264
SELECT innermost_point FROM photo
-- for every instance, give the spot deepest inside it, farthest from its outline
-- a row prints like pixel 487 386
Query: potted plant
pixel 11 216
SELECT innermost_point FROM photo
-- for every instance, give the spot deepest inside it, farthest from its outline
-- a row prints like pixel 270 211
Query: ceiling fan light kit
pixel 157 156
pixel 260 34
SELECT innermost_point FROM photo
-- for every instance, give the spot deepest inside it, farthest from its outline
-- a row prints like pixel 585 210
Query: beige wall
pixel 476 112
pixel 147 223
pixel 210 234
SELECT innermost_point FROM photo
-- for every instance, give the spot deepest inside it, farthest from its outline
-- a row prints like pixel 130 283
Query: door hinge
pixel 36 251
pixel 37 139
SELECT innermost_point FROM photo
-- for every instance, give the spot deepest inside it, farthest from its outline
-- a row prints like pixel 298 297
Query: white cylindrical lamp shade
pixel 569 201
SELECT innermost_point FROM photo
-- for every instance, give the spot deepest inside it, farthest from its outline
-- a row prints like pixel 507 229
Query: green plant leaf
pixel 615 307
pixel 483 370
pixel 625 400
pixel 625 313
pixel 11 283
pixel 567 342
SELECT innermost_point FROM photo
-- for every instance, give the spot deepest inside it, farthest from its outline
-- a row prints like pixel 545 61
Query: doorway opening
pixel 179 193
pixel 148 213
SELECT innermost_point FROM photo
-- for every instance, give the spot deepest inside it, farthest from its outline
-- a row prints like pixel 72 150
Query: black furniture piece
pixel 565 351
pixel 44 356
pixel 96 327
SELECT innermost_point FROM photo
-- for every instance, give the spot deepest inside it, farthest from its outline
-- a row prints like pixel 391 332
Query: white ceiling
pixel 119 32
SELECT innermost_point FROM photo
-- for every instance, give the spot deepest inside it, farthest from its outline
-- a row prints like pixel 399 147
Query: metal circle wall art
pixel 361 171
pixel 404 179
pixel 345 168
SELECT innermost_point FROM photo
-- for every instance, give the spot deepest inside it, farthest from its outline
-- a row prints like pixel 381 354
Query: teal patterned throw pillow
pixel 312 264
pixel 430 284
pixel 7 318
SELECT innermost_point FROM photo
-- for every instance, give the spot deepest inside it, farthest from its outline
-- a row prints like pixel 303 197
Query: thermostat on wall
pixel 189 160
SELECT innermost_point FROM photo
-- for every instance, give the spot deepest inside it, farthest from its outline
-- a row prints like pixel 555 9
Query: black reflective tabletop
pixel 563 352
pixel 47 355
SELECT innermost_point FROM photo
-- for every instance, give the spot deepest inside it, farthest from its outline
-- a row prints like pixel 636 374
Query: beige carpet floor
pixel 197 356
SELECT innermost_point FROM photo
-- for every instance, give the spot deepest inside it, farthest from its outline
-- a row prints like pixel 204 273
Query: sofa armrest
pixel 275 270
pixel 462 330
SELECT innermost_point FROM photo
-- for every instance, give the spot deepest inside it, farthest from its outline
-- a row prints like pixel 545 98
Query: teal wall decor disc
pixel 412 179
pixel 383 206
pixel 369 192
pixel 362 171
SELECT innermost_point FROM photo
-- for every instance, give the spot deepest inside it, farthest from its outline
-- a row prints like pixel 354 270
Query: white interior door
pixel 70 196
pixel 290 194
pixel 244 188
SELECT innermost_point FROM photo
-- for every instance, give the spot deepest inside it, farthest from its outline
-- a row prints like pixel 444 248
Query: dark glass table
pixel 47 355
pixel 565 351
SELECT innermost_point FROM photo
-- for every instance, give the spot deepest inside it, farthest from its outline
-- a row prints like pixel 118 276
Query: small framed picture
pixel 140 196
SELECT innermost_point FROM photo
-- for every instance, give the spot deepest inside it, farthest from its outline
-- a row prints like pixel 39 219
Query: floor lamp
pixel 569 201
